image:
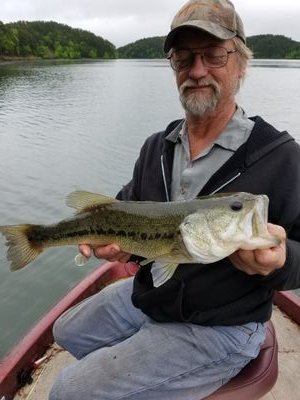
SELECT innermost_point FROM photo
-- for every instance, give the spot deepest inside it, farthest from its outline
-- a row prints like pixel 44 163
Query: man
pixel 187 336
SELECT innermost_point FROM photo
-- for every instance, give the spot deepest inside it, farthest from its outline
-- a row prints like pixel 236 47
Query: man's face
pixel 202 89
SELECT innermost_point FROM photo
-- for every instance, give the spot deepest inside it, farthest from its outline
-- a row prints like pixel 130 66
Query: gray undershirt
pixel 189 176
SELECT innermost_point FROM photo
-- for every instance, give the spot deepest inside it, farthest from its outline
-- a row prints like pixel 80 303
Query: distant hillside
pixel 263 46
pixel 273 46
pixel 51 40
pixel 144 48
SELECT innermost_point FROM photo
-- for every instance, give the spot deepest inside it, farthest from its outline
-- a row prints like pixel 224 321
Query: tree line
pixel 263 46
pixel 274 46
pixel 51 40
pixel 54 40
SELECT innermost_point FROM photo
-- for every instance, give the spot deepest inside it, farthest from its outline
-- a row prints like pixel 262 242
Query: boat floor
pixel 287 386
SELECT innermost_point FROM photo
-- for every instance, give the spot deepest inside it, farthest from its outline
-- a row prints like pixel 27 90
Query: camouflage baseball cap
pixel 216 17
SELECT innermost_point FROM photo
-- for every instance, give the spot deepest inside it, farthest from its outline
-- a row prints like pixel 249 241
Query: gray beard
pixel 196 103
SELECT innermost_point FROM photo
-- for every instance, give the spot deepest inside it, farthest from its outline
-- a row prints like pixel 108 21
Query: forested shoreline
pixel 52 40
pixel 263 46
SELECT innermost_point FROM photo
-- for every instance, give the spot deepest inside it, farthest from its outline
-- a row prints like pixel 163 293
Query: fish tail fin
pixel 21 250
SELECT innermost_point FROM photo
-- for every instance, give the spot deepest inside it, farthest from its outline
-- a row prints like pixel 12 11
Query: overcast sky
pixel 124 21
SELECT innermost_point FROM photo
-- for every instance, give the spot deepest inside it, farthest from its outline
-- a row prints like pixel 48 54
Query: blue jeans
pixel 123 354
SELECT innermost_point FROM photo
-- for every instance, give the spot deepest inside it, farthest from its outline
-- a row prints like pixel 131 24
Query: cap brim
pixel 205 26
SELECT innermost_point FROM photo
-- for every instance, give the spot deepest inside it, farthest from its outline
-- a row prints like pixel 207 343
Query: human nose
pixel 198 69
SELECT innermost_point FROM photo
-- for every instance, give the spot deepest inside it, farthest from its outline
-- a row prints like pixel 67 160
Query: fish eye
pixel 236 205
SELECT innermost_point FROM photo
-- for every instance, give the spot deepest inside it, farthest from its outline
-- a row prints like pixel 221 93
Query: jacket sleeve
pixel 288 213
pixel 288 277
pixel 284 210
pixel 292 266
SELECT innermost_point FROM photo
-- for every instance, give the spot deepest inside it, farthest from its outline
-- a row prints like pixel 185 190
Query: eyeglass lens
pixel 213 57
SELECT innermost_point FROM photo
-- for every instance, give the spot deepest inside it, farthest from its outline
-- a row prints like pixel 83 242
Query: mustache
pixel 191 83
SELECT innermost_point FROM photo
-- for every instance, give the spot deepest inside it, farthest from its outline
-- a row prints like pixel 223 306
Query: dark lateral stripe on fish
pixel 41 235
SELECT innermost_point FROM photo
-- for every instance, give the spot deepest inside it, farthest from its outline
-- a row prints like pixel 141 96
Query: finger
pixel 121 257
pixel 262 261
pixel 124 258
pixel 274 257
pixel 85 250
pixel 245 261
pixel 277 230
pixel 108 252
pixel 243 257
pixel 257 259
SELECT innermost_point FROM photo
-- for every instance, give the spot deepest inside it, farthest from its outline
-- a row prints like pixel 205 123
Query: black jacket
pixel 218 293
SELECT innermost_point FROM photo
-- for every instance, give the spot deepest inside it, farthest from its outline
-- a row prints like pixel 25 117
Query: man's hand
pixel 262 261
pixel 111 252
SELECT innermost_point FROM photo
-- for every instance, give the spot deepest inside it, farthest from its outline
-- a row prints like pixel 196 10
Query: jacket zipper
pixel 226 183
pixel 164 177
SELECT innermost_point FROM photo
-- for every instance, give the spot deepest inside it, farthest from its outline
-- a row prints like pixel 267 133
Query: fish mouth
pixel 260 216
pixel 259 224
pixel 255 220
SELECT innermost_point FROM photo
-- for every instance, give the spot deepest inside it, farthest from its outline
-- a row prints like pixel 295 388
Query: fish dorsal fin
pixel 85 201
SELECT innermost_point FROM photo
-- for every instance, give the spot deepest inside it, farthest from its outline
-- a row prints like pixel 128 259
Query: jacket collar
pixel 263 139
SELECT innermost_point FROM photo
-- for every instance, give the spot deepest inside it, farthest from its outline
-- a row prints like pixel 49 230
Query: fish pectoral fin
pixel 167 271
pixel 86 201
pixel 164 270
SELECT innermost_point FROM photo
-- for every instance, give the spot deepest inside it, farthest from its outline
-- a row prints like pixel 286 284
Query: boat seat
pixel 258 377
pixel 255 380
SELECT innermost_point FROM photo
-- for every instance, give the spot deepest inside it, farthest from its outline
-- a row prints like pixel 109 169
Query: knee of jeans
pixel 60 332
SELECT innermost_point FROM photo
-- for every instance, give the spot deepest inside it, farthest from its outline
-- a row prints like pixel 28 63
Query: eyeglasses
pixel 212 57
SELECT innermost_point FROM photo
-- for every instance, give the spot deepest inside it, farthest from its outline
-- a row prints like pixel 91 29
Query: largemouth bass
pixel 203 230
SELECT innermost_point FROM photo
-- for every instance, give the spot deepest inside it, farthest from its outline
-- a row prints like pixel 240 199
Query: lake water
pixel 79 125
